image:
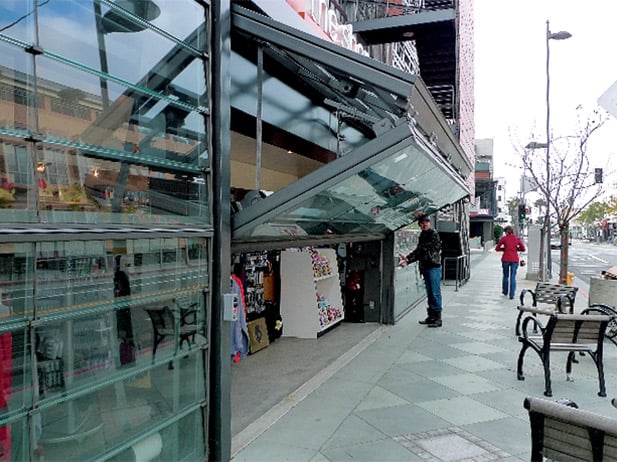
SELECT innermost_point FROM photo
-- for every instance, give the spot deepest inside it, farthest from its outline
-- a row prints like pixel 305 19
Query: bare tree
pixel 571 186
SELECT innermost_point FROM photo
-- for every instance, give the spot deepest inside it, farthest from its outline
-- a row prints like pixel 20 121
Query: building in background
pixel 503 213
pixel 484 211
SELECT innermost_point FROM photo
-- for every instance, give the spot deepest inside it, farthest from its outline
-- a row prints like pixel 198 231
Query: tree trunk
pixel 564 239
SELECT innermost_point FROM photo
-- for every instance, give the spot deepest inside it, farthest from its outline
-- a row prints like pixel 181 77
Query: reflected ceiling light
pixel 115 21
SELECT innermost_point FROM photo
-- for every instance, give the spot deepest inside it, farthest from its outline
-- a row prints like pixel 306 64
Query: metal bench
pixel 181 326
pixel 599 308
pixel 572 333
pixel 564 433
pixel 545 293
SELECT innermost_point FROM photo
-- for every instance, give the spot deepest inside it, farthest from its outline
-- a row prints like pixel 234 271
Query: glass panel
pixel 408 283
pixel 16 281
pixel 16 90
pixel 84 427
pixel 76 187
pixel 121 46
pixel 384 196
pixel 138 158
pixel 148 297
pixel 14 440
pixel 182 440
pixel 15 376
pixel 17 20
pixel 72 275
pixel 17 191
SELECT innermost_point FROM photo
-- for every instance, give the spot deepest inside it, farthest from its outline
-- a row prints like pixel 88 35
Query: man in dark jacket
pixel 428 256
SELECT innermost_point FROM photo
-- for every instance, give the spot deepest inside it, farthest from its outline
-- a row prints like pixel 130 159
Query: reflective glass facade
pixel 105 236
pixel 101 125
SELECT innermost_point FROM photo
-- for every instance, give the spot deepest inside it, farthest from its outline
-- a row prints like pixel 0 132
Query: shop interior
pixel 299 310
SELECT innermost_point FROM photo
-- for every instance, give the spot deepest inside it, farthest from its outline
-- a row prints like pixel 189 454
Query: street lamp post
pixel 547 274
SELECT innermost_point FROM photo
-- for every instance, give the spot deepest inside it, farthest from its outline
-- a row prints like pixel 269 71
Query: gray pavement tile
pixel 477 347
pixel 508 401
pixel 353 431
pixel 474 363
pixel 467 383
pixel 420 390
pixel 436 367
pixel 411 357
pixel 279 451
pixel 462 410
pixel 379 398
pixel 511 435
pixel 319 457
pixel 400 420
pixel 382 451
pixel 435 350
pixel 483 335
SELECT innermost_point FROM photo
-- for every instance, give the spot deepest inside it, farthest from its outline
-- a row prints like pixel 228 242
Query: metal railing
pixel 461 263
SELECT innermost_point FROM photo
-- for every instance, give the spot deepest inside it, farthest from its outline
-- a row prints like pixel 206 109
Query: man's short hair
pixel 424 218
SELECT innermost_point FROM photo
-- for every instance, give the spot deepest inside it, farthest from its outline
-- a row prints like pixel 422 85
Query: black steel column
pixel 219 398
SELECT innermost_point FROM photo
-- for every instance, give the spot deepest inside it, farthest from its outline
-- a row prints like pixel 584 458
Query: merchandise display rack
pixel 311 301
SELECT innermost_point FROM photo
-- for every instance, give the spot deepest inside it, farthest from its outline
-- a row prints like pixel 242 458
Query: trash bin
pixel 570 278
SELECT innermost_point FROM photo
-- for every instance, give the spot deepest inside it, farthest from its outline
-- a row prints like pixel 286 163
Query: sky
pixel 510 75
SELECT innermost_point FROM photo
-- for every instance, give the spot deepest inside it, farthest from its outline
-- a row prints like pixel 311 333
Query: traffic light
pixel 522 213
pixel 598 175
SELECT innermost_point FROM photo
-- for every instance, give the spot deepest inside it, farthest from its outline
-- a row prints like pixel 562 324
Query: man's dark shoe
pixel 436 319
pixel 430 318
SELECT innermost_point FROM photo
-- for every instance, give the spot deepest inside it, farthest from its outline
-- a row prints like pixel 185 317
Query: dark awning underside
pixel 392 151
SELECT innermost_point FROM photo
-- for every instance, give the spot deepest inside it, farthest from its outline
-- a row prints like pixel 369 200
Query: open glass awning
pixel 385 149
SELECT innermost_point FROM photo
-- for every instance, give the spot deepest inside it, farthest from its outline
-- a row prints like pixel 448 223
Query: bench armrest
pixel 530 310
pixel 536 325
pixel 533 296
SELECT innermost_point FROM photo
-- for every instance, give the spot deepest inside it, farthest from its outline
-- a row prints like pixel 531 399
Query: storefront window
pixel 126 146
pixel 104 259
pixel 119 330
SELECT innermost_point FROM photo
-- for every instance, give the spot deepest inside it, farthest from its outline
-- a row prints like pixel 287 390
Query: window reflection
pixel 80 428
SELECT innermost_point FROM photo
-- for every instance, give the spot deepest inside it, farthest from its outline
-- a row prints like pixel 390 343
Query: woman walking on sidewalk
pixel 510 245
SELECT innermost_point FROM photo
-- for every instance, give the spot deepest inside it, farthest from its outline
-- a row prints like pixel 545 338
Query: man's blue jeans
pixel 508 285
pixel 432 283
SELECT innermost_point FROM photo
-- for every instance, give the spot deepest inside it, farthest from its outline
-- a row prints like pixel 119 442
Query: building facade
pixel 145 142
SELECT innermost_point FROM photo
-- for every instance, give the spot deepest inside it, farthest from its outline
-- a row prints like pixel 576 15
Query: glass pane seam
pixel 88 309
pixel 174 101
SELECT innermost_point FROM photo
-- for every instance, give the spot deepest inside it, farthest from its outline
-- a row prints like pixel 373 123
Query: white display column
pixel 311 299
